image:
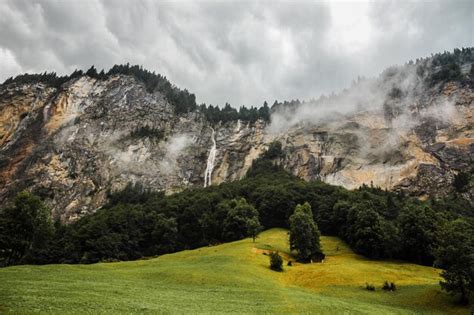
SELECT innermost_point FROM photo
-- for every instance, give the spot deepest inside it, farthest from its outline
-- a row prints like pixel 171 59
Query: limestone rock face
pixel 75 144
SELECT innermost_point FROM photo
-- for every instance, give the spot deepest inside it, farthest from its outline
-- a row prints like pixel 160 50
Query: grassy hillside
pixel 232 277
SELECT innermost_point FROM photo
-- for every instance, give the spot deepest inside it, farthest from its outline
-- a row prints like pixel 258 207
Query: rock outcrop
pixel 74 144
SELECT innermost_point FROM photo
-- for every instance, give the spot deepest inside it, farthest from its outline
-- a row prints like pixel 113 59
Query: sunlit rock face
pixel 75 144
pixel 418 151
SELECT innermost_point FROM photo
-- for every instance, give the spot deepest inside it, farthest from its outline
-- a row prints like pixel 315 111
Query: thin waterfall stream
pixel 210 161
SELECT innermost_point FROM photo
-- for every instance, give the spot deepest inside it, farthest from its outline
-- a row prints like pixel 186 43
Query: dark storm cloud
pixel 243 52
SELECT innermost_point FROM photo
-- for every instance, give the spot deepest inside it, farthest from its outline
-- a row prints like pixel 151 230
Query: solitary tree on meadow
pixel 253 227
pixel 304 234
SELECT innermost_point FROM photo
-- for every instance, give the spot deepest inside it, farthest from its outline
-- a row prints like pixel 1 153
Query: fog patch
pixel 174 148
pixel 400 85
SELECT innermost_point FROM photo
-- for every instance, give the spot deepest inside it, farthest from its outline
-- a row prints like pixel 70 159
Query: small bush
pixel 369 287
pixel 392 286
pixel 389 286
pixel 276 262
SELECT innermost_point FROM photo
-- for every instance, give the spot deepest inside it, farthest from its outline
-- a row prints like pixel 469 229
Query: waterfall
pixel 46 112
pixel 210 161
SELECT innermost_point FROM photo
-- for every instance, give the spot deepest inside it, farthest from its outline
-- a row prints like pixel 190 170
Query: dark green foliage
pixel 418 225
pixel 163 234
pixel 241 220
pixel 304 234
pixel 212 219
pixel 48 78
pixel 267 163
pixel 146 131
pixel 274 204
pixel 254 227
pixel 366 230
pixel 274 151
pixel 453 205
pixel 449 72
pixel 276 262
pixel 122 232
pixel 455 254
pixel 25 230
pixel 265 167
pixel 286 105
pixel 461 181
pixel 131 194
pixel 264 112
pixel 436 69
pixel 215 114
pixel 444 67
pixel 92 72
pixel 369 287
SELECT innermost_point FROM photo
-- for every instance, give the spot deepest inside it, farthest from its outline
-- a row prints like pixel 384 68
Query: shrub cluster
pixel 389 286
pixel 276 262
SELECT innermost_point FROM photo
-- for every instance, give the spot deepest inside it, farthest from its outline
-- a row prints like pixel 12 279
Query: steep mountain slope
pixel 74 143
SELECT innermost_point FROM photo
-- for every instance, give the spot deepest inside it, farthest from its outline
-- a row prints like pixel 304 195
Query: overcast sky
pixel 243 52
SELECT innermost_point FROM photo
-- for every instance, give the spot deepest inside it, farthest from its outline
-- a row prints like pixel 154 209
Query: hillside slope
pixel 232 277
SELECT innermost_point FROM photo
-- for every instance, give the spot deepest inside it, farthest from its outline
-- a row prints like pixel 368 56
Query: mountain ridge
pixel 74 143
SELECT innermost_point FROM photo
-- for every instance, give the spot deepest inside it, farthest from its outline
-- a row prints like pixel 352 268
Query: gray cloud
pixel 243 52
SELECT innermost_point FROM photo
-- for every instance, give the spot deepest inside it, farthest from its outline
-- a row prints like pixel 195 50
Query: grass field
pixel 232 277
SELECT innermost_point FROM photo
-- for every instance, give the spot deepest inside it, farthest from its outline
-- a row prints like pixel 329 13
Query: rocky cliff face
pixel 74 144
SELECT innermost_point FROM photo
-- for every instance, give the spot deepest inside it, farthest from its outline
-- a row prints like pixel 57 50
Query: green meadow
pixel 233 277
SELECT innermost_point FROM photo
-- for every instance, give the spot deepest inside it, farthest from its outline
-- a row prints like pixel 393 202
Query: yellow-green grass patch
pixel 233 277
